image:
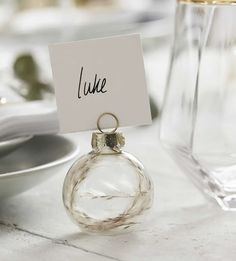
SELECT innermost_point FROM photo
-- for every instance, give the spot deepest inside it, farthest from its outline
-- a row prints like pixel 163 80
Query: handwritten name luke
pixel 85 88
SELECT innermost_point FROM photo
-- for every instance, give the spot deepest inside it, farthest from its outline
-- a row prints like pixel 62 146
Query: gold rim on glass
pixel 209 1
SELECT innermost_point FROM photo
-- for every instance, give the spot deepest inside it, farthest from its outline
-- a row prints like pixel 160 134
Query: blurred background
pixel 28 26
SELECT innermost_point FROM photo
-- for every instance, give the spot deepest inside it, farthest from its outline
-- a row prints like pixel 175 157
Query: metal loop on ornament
pixel 104 114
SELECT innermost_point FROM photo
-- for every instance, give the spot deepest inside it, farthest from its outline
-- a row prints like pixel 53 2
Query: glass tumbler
pixel 198 123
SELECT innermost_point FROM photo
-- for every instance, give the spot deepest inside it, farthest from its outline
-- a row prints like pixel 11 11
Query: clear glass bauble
pixel 107 191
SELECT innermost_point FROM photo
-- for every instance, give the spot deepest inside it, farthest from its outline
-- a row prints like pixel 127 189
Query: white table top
pixel 183 225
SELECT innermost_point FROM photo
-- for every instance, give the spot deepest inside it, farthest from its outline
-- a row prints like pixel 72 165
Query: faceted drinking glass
pixel 199 116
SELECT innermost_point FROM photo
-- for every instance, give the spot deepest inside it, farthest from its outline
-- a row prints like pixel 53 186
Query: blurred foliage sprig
pixel 26 69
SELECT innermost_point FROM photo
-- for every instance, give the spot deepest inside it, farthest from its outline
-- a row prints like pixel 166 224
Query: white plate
pixel 10 145
pixel 35 161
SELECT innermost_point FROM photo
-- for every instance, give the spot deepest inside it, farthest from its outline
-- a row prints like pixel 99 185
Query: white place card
pixel 92 77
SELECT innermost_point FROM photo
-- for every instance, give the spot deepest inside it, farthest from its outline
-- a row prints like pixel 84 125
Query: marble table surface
pixel 184 224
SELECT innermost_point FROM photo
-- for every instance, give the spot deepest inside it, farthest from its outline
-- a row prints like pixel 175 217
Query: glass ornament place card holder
pixel 107 190
pixel 199 115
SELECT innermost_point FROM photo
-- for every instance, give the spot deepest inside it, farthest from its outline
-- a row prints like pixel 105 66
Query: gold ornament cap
pixel 112 140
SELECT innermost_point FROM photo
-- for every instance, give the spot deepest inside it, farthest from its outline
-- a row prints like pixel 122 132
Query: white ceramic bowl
pixel 32 163
pixel 10 145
